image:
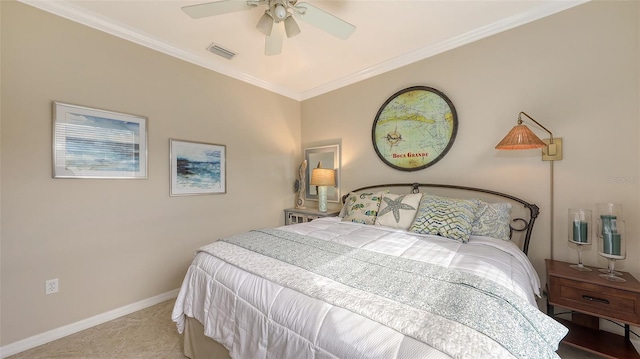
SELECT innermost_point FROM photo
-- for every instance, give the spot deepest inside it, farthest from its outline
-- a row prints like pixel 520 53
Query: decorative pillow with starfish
pixel 398 211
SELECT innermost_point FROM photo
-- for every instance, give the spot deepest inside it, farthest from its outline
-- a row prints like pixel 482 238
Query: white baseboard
pixel 51 335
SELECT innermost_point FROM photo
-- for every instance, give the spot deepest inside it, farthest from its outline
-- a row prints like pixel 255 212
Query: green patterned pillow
pixel 492 220
pixel 446 217
pixel 362 207
pixel 398 211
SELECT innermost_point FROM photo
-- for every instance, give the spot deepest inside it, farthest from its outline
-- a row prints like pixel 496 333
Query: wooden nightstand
pixel 295 215
pixel 590 298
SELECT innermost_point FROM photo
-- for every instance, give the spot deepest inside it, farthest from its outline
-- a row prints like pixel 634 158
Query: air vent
pixel 221 51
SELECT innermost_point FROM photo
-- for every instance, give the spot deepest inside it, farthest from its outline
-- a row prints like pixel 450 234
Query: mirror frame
pixel 325 154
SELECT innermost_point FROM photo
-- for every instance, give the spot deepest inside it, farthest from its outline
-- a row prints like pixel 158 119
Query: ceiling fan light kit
pixel 265 24
pixel 291 27
pixel 277 12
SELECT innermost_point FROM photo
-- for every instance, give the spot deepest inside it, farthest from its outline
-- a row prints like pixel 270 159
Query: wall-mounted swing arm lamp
pixel 522 138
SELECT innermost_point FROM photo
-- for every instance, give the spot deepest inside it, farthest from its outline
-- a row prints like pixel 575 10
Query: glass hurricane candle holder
pixel 580 233
pixel 612 245
pixel 611 209
pixel 607 216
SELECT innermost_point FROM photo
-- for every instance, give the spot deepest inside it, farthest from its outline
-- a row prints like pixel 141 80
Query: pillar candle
pixel 608 224
pixel 611 243
pixel 580 231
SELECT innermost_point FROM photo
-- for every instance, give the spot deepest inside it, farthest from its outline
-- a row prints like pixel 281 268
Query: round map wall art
pixel 414 128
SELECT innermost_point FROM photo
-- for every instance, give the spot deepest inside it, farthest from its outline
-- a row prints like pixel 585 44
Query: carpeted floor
pixel 147 334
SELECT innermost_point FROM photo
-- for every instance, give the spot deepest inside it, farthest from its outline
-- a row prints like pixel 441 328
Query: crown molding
pixel 77 14
pixel 544 10
pixel 80 15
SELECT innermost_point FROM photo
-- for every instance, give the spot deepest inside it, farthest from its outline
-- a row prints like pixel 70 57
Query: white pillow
pixel 398 211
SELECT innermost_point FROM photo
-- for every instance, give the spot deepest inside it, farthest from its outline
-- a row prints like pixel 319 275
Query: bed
pixel 405 271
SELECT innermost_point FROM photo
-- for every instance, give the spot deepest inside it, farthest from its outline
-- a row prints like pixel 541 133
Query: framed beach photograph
pixel 93 143
pixel 197 168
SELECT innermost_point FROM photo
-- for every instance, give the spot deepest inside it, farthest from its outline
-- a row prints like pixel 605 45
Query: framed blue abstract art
pixel 197 168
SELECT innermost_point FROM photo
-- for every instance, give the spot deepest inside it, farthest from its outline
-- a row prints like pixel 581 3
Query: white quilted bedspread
pixel 256 318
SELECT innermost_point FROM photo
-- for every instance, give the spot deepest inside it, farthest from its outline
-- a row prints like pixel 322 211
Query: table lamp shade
pixel 322 177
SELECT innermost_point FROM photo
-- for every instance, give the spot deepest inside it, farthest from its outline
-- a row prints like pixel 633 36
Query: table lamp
pixel 322 177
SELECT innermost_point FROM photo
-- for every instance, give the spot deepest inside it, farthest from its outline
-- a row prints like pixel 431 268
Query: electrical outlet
pixel 51 286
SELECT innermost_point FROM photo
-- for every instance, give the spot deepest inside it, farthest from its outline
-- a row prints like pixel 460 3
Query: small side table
pixel 295 215
pixel 590 298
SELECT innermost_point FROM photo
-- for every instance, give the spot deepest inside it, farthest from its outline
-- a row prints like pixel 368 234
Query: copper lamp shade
pixel 520 138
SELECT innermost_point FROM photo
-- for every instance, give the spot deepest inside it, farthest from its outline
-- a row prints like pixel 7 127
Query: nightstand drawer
pixel 595 299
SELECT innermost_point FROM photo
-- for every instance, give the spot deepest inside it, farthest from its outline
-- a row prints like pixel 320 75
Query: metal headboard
pixel 527 225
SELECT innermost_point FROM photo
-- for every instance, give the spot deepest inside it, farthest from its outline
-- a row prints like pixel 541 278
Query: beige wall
pixel 115 242
pixel 576 72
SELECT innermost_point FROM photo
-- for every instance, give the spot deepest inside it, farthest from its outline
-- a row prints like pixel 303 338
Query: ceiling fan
pixel 277 11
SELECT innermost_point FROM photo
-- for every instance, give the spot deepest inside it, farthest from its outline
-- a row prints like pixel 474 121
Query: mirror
pixel 330 158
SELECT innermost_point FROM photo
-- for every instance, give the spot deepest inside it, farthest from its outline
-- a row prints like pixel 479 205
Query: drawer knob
pixel 594 299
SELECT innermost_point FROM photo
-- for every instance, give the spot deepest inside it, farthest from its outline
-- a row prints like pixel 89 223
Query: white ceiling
pixel 390 34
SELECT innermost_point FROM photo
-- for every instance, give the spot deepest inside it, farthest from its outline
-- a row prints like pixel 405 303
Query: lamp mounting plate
pixel 549 153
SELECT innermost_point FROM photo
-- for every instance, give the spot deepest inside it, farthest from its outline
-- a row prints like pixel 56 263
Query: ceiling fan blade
pixel 323 20
pixel 273 42
pixel 291 28
pixel 218 8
